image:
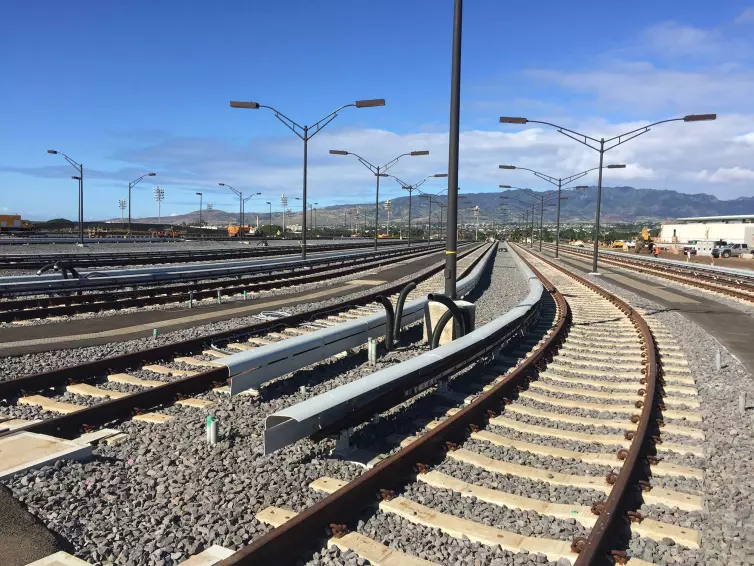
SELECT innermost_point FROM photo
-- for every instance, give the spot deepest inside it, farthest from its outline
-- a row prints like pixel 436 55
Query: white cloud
pixel 746 16
pixel 726 175
pixel 644 87
pixel 745 138
pixel 672 39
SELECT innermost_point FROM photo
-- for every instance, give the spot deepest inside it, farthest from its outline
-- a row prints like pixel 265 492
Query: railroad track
pixel 75 302
pixel 547 458
pixel 729 285
pixel 109 259
pixel 96 393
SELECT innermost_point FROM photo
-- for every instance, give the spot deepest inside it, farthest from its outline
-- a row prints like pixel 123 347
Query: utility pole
pixel 122 206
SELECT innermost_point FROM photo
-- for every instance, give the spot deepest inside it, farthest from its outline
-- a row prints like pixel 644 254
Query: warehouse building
pixel 731 229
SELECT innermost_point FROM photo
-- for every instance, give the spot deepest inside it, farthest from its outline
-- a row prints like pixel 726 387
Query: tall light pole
pixel 615 141
pixel 411 189
pixel 305 133
pixel 122 206
pixel 239 194
pixel 311 206
pixel 80 178
pixel 451 241
pixel 560 183
pixel 270 203
pixel 131 185
pixel 284 204
pixel 243 209
pixel 159 196
pixel 200 211
pixel 209 208
pixel 378 171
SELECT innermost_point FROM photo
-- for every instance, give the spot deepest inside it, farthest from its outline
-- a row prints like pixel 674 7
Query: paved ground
pixel 731 262
pixel 23 538
pixel 733 328
pixel 16 339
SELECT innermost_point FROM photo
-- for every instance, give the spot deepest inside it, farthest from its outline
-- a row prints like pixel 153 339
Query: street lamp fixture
pixel 378 171
pixel 80 178
pixel 411 189
pixel 305 133
pixel 131 185
pixel 599 145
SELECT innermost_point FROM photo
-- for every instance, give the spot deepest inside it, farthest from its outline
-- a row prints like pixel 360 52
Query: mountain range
pixel 619 204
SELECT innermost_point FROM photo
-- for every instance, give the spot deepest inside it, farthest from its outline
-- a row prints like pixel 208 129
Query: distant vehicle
pixel 233 230
pixel 730 250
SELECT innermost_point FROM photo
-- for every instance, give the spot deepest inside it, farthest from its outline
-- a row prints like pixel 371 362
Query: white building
pixel 731 229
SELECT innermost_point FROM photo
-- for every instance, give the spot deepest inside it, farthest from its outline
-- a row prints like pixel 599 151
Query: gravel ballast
pixel 163 494
pixel 727 519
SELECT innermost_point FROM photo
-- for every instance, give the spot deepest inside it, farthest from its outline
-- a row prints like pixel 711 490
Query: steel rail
pixel 144 276
pixel 28 261
pixel 43 307
pixel 610 530
pixel 694 279
pixel 284 544
pixel 732 274
pixel 69 426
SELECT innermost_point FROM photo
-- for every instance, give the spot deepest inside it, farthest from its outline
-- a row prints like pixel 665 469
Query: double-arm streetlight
pixel 131 185
pixel 411 189
pixel 430 200
pixel 378 171
pixel 305 133
pixel 560 183
pixel 80 178
pixel 543 199
pixel 241 202
pixel 610 143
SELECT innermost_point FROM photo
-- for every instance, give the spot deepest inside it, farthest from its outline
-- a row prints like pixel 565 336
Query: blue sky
pixel 131 87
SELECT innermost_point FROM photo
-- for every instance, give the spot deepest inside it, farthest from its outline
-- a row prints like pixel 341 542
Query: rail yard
pixel 570 424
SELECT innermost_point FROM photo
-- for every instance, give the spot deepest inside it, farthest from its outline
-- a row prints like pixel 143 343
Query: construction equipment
pixel 644 241
pixel 233 230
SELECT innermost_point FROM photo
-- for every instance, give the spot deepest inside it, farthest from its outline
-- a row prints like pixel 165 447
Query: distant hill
pixel 619 204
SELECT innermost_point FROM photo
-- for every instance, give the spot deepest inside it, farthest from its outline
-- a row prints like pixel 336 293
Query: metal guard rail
pixel 347 404
pixel 252 368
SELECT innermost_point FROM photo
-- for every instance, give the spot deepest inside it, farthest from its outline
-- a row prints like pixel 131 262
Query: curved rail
pixel 612 520
pixel 283 545
pixel 735 285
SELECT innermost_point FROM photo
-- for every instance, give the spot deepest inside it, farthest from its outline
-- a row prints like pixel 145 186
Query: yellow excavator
pixel 644 241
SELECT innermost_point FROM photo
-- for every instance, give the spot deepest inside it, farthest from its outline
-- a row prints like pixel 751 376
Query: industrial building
pixel 730 229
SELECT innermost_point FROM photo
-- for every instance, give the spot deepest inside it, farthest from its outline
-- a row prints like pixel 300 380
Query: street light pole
pixel 560 183
pixel 378 171
pixel 80 168
pixel 616 141
pixel 305 133
pixel 131 185
pixel 200 212
pixel 270 203
pixel 451 241
pixel 240 206
pixel 411 189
